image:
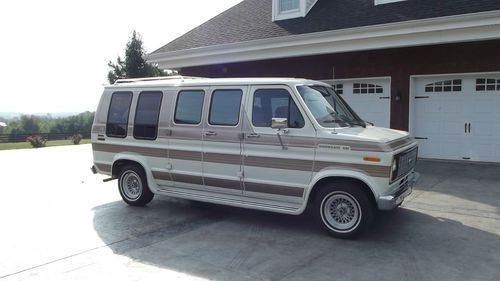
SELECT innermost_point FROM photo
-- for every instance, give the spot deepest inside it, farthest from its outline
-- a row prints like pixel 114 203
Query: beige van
pixel 274 144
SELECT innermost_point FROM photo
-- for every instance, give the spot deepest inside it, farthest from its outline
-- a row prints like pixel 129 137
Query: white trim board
pixel 451 29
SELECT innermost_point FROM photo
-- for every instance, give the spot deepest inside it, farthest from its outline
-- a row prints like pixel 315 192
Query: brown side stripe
pixel 103 167
pixel 278 163
pixel 222 158
pixel 222 183
pixel 162 176
pixel 185 155
pixel 255 161
pixel 233 184
pixel 114 148
pixel 274 189
pixel 371 170
pixel 187 178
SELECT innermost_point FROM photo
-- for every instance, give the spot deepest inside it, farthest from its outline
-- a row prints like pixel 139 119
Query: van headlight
pixel 394 169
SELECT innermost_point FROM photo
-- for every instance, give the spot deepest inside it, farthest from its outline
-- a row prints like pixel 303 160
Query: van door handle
pixel 210 133
pixel 253 135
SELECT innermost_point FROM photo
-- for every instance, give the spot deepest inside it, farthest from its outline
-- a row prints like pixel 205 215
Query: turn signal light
pixel 371 159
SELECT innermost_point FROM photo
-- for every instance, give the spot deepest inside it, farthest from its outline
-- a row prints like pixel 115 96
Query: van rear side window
pixel 225 107
pixel 146 115
pixel 189 107
pixel 118 112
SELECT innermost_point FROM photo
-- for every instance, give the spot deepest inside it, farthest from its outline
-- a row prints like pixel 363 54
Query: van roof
pixel 198 81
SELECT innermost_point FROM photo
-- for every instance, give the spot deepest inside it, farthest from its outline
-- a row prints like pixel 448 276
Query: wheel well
pixel 329 180
pixel 119 164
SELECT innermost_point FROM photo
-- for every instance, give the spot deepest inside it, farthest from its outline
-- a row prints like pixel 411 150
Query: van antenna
pixel 333 86
pixel 333 76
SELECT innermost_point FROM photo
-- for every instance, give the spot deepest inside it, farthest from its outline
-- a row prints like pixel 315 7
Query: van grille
pixel 406 161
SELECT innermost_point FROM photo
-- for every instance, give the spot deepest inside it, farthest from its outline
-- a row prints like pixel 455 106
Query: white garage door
pixel 369 97
pixel 458 117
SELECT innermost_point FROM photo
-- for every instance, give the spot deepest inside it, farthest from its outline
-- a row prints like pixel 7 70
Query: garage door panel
pixel 484 129
pixel 439 148
pixel 430 105
pixel 485 107
pixel 369 97
pixel 452 128
pixel 452 106
pixel 460 118
pixel 485 152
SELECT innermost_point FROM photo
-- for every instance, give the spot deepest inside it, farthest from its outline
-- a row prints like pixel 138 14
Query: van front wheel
pixel 133 186
pixel 343 210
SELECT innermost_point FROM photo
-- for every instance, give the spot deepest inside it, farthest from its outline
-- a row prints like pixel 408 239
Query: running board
pixel 230 202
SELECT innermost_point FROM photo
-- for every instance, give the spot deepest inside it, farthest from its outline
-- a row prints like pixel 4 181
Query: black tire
pixel 343 209
pixel 133 186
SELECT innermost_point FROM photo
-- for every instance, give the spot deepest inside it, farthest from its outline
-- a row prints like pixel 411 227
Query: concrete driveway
pixel 60 222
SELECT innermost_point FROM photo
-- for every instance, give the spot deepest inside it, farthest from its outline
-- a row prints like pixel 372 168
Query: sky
pixel 54 53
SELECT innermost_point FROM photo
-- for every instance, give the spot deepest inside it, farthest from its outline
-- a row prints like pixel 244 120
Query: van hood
pixel 372 134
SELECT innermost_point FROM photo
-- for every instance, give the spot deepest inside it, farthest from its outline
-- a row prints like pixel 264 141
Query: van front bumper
pixel 391 201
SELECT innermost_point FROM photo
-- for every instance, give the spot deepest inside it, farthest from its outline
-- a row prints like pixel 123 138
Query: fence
pixel 48 136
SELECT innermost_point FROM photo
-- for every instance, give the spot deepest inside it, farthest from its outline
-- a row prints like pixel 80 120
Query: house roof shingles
pixel 251 19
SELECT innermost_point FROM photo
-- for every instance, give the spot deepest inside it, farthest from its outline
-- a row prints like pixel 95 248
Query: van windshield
pixel 328 108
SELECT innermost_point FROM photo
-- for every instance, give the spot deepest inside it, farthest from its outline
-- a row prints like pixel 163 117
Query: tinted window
pixel 271 103
pixel 146 115
pixel 189 107
pixel 225 107
pixel 119 109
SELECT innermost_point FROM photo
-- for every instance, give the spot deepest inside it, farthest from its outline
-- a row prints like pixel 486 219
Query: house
pixel 431 67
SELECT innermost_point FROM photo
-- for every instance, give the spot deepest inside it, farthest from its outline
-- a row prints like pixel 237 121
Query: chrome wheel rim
pixel 340 211
pixel 131 185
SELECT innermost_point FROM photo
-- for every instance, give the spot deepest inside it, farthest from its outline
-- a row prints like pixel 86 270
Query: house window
pixel 288 5
pixel 487 84
pixel 364 88
pixel 339 88
pixel 444 86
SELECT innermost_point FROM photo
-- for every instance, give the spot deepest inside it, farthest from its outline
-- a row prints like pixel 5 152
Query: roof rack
pixel 173 77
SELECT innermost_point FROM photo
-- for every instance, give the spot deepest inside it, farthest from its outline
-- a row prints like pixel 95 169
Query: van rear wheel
pixel 343 209
pixel 133 186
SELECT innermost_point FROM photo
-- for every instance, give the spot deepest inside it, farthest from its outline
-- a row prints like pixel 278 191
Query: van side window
pixel 189 107
pixel 146 115
pixel 225 107
pixel 119 109
pixel 269 103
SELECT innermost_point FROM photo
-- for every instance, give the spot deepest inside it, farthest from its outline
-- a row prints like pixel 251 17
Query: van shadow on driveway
pixel 225 243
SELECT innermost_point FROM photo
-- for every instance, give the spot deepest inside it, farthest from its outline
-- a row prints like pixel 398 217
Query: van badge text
pixel 336 147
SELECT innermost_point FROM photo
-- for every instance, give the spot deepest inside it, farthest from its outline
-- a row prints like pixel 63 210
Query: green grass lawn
pixel 19 145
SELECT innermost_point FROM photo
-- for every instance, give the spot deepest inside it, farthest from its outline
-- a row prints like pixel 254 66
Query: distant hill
pixel 12 115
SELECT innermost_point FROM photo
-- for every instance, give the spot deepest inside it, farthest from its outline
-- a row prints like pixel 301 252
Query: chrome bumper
pixel 391 201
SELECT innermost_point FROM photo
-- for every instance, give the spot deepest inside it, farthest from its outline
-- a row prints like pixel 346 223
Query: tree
pixel 30 124
pixel 134 65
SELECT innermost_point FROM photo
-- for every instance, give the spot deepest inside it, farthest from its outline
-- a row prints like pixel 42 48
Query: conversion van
pixel 275 144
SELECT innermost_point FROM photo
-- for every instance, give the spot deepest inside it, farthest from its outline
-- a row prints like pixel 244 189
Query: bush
pixel 76 138
pixel 36 141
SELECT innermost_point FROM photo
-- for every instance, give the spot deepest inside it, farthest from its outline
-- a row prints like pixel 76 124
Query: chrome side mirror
pixel 279 123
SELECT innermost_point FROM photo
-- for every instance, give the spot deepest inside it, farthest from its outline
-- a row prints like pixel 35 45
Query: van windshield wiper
pixel 347 120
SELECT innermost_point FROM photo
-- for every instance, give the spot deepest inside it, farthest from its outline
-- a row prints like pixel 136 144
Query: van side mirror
pixel 279 123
